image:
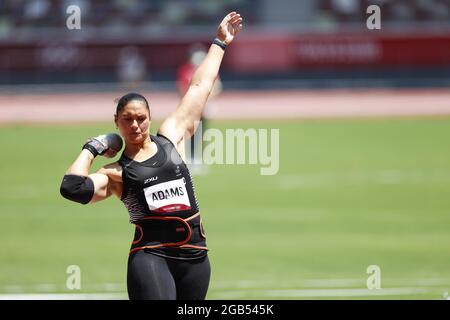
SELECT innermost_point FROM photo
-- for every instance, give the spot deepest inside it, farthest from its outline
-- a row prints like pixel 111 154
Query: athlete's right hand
pixel 105 145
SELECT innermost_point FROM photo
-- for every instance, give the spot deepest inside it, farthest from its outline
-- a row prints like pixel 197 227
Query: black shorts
pixel 152 277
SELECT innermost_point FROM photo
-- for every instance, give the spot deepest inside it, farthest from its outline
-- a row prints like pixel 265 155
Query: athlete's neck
pixel 147 148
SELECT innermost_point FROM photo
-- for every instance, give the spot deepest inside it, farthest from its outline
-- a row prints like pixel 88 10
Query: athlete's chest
pixel 165 189
pixel 139 175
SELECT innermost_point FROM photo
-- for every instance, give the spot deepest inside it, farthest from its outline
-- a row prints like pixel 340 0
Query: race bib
pixel 168 196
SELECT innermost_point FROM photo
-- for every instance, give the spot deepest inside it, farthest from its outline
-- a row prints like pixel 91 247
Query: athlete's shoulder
pixel 163 139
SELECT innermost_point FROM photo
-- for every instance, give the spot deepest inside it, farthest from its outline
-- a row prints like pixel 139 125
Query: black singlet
pixel 160 198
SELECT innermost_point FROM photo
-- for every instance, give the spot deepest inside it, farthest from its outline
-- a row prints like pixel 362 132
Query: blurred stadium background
pixel 364 159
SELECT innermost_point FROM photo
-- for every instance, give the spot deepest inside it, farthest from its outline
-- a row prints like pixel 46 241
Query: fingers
pixel 228 17
pixel 237 23
pixel 232 17
pixel 235 18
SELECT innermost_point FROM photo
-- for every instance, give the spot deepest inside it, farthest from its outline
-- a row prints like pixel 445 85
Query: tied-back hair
pixel 132 96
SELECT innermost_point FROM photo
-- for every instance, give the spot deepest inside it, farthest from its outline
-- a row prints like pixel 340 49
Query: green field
pixel 349 194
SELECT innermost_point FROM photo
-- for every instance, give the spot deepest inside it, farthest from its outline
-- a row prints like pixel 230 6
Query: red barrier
pixel 258 52
pixel 267 54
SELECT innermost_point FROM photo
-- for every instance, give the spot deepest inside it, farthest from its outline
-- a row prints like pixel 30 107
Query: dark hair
pixel 122 102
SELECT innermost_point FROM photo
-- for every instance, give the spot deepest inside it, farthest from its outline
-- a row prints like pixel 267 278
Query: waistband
pixel 164 231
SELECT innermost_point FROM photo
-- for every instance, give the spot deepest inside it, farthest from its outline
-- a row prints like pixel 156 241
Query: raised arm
pixel 184 120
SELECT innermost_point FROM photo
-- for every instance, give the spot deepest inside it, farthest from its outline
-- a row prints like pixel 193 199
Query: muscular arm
pixel 80 186
pixel 184 121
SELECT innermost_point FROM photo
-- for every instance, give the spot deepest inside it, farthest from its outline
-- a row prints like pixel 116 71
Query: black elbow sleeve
pixel 77 188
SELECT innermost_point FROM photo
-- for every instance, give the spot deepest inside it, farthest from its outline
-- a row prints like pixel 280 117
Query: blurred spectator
pixel 346 10
pixel 108 13
pixel 175 12
pixel 108 16
pixel 395 11
pixel 134 11
pixel 131 68
pixel 197 53
pixel 184 75
pixel 36 10
pixel 102 13
pixel 402 10
pixel 433 9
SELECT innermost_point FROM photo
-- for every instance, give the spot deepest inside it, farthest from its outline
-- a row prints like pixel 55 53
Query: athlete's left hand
pixel 229 27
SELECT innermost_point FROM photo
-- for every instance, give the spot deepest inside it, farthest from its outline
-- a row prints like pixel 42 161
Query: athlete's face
pixel 134 122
